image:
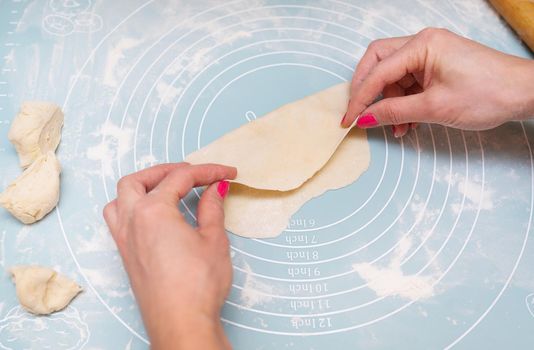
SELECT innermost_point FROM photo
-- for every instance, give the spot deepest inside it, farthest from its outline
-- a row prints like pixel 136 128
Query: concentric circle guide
pixel 373 230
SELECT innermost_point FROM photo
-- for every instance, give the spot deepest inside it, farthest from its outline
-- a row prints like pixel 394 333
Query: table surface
pixel 429 249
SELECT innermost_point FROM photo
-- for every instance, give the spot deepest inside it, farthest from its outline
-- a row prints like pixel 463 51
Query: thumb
pixel 395 111
pixel 211 208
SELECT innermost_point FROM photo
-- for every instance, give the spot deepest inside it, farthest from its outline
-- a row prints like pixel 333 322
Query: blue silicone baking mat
pixel 429 249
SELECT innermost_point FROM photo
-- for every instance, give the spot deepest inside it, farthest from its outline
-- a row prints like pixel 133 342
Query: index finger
pixel 178 183
pixel 377 51
pixel 138 184
pixel 409 58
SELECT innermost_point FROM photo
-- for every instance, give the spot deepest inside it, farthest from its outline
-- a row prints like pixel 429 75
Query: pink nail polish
pixel 223 188
pixel 366 121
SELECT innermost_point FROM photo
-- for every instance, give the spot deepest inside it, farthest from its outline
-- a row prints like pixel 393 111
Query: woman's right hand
pixel 436 76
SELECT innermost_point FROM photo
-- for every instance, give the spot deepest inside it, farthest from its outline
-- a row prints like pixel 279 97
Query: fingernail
pixel 366 121
pixel 342 120
pixel 223 188
pixel 345 116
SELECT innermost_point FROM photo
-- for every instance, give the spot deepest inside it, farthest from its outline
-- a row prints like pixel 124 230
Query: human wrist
pixel 522 98
pixel 188 331
pixel 530 89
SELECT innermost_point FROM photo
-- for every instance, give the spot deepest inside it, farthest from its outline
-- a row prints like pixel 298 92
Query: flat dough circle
pixel 284 148
pixel 263 214
pixel 286 158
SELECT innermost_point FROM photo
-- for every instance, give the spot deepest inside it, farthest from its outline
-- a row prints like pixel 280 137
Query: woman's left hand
pixel 180 275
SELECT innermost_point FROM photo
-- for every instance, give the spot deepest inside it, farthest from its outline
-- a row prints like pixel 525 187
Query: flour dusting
pixel 255 292
pixel 109 279
pixel 114 63
pixel 116 142
pixel 167 93
pixel 472 192
pixel 386 281
pixel 146 161
pixel 99 241
pixel 392 281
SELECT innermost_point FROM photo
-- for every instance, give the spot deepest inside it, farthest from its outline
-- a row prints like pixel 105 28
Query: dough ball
pixel 35 192
pixel 36 130
pixel 41 290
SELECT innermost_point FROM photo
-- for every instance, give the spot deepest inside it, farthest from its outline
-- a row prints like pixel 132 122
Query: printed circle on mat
pixel 383 253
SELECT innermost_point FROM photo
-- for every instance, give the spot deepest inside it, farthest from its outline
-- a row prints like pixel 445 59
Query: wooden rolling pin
pixel 520 16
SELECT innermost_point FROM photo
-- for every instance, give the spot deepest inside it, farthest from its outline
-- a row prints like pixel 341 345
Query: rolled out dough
pixel 263 214
pixel 36 130
pixel 284 148
pixel 35 192
pixel 41 290
pixel 286 158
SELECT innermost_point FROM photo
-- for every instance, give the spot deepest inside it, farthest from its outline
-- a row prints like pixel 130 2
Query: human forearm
pixel 186 321
pixel 188 333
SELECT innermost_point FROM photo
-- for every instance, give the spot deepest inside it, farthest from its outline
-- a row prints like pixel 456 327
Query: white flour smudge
pixel 100 241
pixel 255 292
pixel 227 39
pixel 472 192
pixel 146 161
pixel 471 189
pixel 452 321
pixel 167 93
pixel 114 64
pixel 108 280
pixel 22 235
pixel 392 281
pixel 421 211
pixel 116 143
pixel 9 59
pixel 196 59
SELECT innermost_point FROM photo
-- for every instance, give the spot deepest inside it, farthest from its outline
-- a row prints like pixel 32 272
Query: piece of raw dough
pixel 262 214
pixel 36 130
pixel 41 290
pixel 284 148
pixel 35 192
